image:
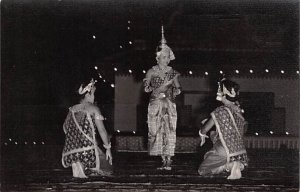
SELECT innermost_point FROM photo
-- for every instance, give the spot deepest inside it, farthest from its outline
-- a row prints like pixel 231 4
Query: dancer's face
pixel 163 59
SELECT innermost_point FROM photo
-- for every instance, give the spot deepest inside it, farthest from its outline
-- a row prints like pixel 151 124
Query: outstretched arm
pixel 103 133
pixel 202 131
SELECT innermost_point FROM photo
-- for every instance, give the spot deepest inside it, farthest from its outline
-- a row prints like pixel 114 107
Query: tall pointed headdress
pixel 163 47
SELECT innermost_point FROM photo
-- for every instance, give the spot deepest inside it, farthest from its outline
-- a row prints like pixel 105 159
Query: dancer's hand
pixel 202 136
pixel 109 156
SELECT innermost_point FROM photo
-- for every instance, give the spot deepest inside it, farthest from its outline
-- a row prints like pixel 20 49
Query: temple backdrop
pixel 272 104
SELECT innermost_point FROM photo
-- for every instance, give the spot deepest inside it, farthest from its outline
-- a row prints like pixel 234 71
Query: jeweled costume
pixel 228 141
pixel 162 114
pixel 81 145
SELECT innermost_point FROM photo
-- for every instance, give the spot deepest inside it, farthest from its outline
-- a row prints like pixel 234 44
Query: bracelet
pixel 107 146
pixel 202 135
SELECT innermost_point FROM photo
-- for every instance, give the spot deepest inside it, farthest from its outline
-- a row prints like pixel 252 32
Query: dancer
pixel 228 152
pixel 163 82
pixel 81 151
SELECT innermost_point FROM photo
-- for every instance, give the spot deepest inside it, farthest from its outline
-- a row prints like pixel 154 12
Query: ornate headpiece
pixel 164 47
pixel 222 90
pixel 87 88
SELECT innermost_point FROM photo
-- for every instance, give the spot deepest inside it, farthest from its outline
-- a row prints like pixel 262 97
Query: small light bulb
pixel 221 72
pixel 115 69
pixel 118 131
pixel 190 72
pixel 130 71
pixel 144 71
pixel 130 42
pixel 96 67
pixel 237 71
pixel 206 73
pixel 267 70
pixel 287 133
pixel 271 132
pixel 251 71
pixel 94 37
pixel 282 71
pixel 112 85
pixel 256 133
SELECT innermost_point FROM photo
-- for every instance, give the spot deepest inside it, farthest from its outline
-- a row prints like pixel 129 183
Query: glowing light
pixel 282 71
pixel 128 28
pixel 129 71
pixel 251 71
pixel 271 132
pixel 112 85
pixel 267 70
pixel 96 67
pixel 190 72
pixel 25 142
pixel 130 42
pixel 297 72
pixel 9 139
pixel 16 143
pixel 221 72
pixel 144 71
pixel 104 80
pixel 128 21
pixel 43 143
pixel 287 133
pixel 5 143
pixel 115 69
pixel 133 132
pixel 34 142
pixel 206 73
pixel 94 37
pixel 118 131
pixel 121 46
pixel 100 76
pixel 237 71
pixel 256 133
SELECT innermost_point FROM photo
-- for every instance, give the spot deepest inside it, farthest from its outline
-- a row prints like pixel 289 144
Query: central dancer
pixel 163 82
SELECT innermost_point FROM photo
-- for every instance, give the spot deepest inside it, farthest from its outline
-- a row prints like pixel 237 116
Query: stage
pixel 39 169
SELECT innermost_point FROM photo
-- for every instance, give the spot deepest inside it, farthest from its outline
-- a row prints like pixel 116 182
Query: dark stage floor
pixel 29 170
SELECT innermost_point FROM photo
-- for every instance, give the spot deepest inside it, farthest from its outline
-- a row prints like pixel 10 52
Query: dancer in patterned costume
pixel 228 152
pixel 81 151
pixel 163 82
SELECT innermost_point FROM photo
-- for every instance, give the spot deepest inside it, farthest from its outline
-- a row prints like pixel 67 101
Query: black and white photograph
pixel 149 95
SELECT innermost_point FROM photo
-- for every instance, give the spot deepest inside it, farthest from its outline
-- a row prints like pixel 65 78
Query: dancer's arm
pixel 202 131
pixel 103 133
pixel 147 86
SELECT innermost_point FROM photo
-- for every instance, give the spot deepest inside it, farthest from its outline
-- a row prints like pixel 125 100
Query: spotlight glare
pixel 144 71
pixel 256 133
pixel 118 131
pixel 267 70
pixel 271 132
pixel 115 69
pixel 94 37
pixel 221 72
pixel 251 71
pixel 282 71
pixel 133 132
pixel 96 67
pixel 287 133
pixel 190 72
pixel 297 72
pixel 130 42
pixel 129 71
pixel 236 71
pixel 112 85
